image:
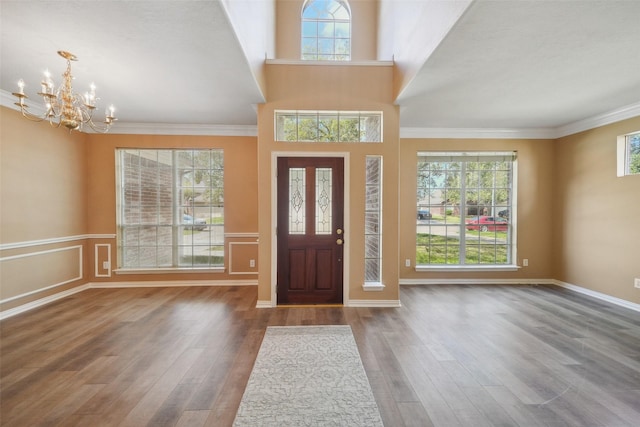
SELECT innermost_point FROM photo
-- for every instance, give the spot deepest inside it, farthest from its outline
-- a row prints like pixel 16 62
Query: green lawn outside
pixel 432 249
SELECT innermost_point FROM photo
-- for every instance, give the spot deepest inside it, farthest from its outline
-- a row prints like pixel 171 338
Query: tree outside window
pixel 464 210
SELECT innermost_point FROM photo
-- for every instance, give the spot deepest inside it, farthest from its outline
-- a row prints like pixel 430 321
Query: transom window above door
pixel 326 30
pixel 328 126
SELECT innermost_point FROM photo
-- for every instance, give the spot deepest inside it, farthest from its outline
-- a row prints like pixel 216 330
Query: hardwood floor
pixel 451 356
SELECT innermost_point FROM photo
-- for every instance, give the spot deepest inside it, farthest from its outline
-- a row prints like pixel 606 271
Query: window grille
pixel 464 208
pixel 373 220
pixel 170 208
pixel 328 126
pixel 326 30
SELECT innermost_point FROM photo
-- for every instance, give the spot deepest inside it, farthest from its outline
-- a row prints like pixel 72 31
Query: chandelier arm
pixel 24 109
pixel 54 124
pixel 25 112
pixel 100 129
pixel 53 106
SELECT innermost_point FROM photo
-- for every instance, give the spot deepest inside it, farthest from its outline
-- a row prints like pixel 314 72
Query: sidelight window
pixel 373 220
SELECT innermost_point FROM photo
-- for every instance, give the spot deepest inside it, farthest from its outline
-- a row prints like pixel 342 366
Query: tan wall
pixel 353 88
pixel 43 194
pixel 240 200
pixel 364 25
pixel 535 212
pixel 597 233
pixel 577 221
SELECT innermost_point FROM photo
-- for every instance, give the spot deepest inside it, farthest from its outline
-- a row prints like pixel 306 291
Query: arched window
pixel 326 30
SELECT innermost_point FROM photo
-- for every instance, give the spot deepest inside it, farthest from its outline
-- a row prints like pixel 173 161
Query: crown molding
pixel 617 115
pixel 9 101
pixel 623 113
pixel 476 133
pixel 183 129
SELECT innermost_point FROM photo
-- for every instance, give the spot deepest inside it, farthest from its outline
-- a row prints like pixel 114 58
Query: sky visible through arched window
pixel 326 30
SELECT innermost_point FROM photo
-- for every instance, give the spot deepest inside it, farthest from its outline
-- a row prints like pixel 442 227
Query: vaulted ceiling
pixel 542 66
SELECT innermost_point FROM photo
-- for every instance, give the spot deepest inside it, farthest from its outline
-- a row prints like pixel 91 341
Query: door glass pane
pixel 296 201
pixel 323 200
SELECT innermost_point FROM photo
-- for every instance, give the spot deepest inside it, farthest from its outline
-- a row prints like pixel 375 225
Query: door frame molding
pixel 275 155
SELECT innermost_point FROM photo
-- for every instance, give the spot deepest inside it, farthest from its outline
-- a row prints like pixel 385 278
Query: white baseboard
pixel 392 303
pixel 352 303
pixel 40 302
pixel 151 284
pixel 413 282
pixel 264 304
pixel 172 283
pixel 604 297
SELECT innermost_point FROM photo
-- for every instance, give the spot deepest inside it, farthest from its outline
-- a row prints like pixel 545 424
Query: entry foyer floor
pixel 450 356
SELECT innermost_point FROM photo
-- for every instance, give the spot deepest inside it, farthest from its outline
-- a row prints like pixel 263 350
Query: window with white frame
pixel 464 209
pixel 326 30
pixel 629 154
pixel 170 208
pixel 328 126
pixel 373 220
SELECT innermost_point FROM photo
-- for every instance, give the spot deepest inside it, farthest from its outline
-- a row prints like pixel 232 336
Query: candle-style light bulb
pixel 92 94
pixel 21 87
pixel 47 84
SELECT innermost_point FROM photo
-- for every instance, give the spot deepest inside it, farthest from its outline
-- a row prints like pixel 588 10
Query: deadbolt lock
pixel 339 231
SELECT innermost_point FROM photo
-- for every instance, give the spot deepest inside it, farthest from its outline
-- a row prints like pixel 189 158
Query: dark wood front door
pixel 310 230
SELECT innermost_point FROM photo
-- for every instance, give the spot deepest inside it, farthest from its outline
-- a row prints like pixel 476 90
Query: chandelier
pixel 64 107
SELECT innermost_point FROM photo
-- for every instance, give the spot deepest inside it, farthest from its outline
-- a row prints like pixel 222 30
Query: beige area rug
pixel 308 376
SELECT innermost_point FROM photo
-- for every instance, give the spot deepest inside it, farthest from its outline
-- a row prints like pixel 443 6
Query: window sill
pixel 373 287
pixel 168 270
pixel 350 63
pixel 458 268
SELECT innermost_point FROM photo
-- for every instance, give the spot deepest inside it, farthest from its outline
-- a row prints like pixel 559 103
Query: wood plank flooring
pixel 451 356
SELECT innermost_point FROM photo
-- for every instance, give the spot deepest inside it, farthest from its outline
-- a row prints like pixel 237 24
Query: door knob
pixel 339 242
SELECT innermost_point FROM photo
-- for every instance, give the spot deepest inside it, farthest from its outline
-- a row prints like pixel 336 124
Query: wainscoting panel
pixel 243 257
pixel 102 256
pixel 32 272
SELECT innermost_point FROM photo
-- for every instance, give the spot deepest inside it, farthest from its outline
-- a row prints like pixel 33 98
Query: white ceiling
pixel 500 64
